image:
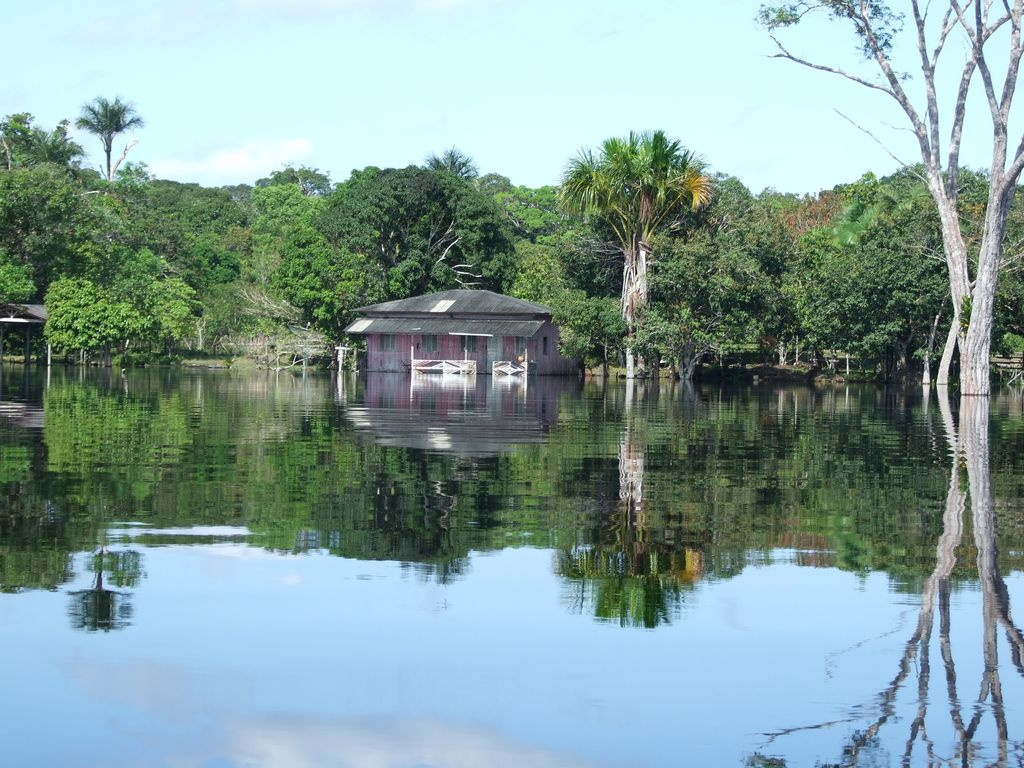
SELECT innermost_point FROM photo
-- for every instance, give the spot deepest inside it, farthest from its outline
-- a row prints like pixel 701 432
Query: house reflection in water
pixel 463 415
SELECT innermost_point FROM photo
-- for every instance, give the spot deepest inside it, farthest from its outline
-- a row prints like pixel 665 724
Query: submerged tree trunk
pixel 634 296
pixel 946 362
pixel 926 374
pixel 689 359
pixel 975 353
pixel 971 29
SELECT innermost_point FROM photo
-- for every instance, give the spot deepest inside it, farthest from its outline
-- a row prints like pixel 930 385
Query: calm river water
pixel 221 569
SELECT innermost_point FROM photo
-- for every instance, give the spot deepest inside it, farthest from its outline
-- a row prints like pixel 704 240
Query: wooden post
pixel 28 344
pixel 2 343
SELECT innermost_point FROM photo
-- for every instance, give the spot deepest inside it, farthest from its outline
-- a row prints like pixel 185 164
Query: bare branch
pixel 929 79
pixel 956 133
pixel 945 28
pixel 785 54
pixel 874 138
pixel 115 166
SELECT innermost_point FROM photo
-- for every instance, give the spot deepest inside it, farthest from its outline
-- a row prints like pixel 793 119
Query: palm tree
pixel 56 146
pixel 454 161
pixel 106 119
pixel 637 185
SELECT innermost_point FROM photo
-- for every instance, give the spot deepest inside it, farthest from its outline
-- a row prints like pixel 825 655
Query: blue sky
pixel 233 89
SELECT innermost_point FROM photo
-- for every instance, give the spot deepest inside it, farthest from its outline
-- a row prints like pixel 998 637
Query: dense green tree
pixel 494 184
pixel 106 120
pixel 277 209
pixel 311 181
pixel 132 305
pixel 173 305
pixel 202 233
pixel 85 316
pixel 15 281
pixel 533 213
pixel 637 185
pixel 428 230
pixel 872 285
pixel 987 55
pixel 590 327
pixel 719 287
pixel 44 221
pixel 23 144
pixel 323 282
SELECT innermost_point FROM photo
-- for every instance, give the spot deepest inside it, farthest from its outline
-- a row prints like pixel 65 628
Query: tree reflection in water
pixel 102 609
pixel 969 450
pixel 634 580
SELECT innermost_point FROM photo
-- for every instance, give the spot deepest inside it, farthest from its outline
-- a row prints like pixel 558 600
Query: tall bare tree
pixel 988 32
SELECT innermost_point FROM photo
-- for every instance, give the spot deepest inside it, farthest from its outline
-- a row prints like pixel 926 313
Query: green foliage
pixel 533 213
pixel 427 230
pixel 453 161
pixel 590 327
pixel 720 287
pixel 872 284
pixel 311 181
pixel 107 119
pixel 173 306
pixel 636 184
pixel 15 281
pixel 494 184
pixel 885 23
pixel 23 144
pixel 44 221
pixel 83 315
pixel 135 304
pixel 849 270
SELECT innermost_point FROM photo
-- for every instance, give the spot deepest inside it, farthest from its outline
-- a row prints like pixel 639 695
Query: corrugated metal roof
pixel 443 326
pixel 462 302
pixel 33 312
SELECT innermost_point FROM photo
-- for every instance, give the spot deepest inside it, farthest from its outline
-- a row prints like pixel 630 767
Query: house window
pixel 544 344
pixel 470 343
pixel 428 343
pixel 387 342
pixel 520 345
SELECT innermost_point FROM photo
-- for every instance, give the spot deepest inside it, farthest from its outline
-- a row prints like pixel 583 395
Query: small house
pixel 461 331
pixel 22 317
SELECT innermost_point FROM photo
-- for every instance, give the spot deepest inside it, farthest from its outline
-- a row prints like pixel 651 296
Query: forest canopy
pixel 141 269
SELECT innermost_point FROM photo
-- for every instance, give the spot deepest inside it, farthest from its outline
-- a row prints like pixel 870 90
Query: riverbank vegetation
pixel 850 281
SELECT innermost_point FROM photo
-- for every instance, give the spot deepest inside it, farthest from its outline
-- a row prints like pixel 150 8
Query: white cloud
pixel 381 743
pixel 235 165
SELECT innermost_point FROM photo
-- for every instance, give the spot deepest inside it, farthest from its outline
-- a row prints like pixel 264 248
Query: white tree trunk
pixel 976 352
pixel 973 26
pixel 946 362
pixel 926 374
pixel 634 297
